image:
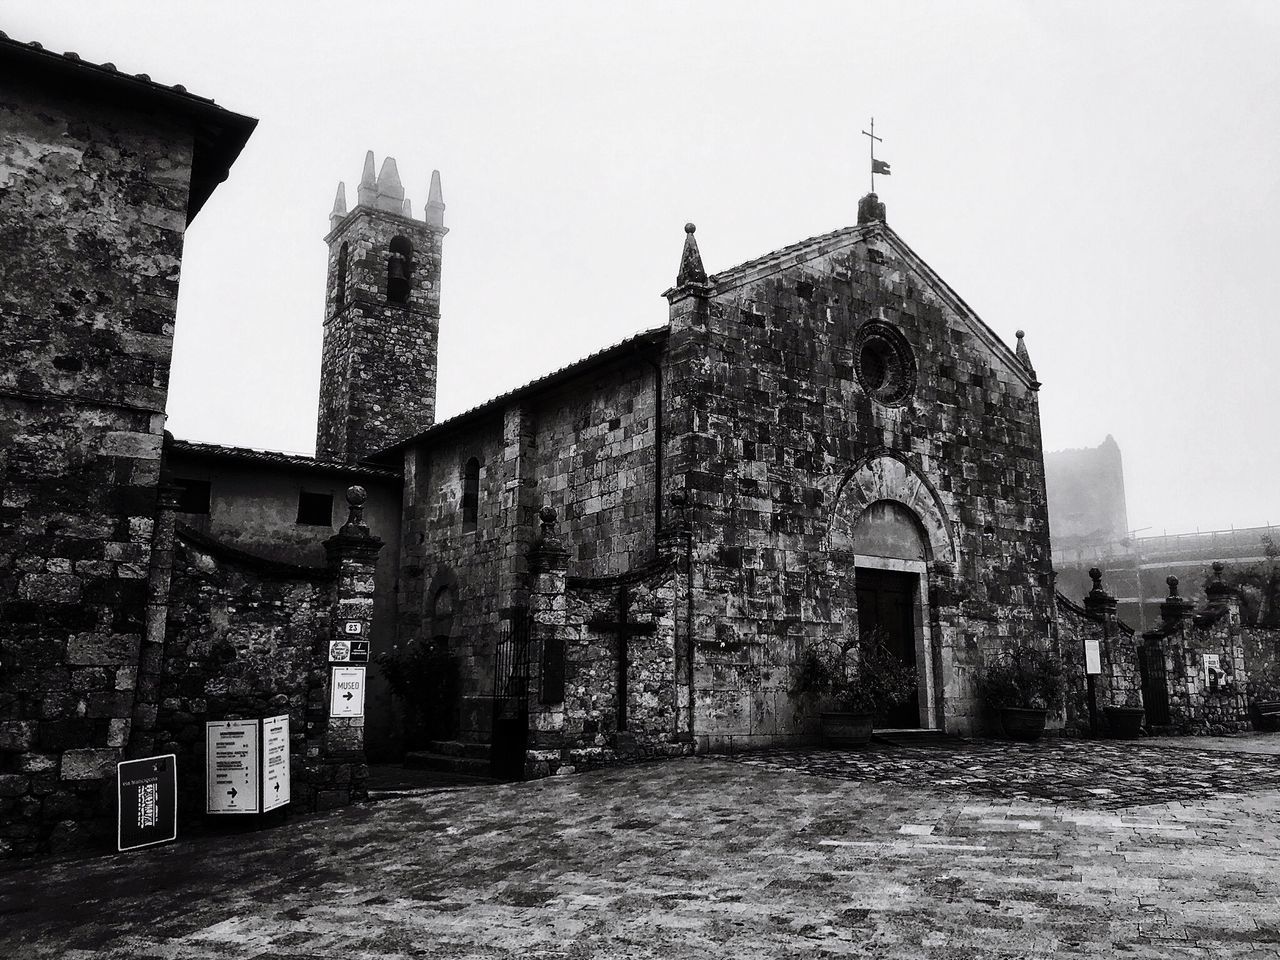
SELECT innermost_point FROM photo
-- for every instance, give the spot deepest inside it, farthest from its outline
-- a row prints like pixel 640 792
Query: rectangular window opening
pixel 315 509
pixel 193 495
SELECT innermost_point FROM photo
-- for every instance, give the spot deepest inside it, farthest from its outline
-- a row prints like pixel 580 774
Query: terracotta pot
pixel 846 729
pixel 1124 723
pixel 1023 723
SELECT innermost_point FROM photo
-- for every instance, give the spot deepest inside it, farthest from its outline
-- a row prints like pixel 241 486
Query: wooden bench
pixel 1265 714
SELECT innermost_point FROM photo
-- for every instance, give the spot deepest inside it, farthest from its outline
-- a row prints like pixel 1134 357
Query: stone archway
pixel 890 532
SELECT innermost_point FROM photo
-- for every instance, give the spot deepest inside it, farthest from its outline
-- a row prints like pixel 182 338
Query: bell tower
pixel 381 317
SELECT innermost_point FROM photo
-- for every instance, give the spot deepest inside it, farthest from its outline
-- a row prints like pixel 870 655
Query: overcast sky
pixel 1102 175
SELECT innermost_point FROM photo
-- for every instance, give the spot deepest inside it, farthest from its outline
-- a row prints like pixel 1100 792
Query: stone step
pixel 915 737
pixel 426 760
pixel 459 748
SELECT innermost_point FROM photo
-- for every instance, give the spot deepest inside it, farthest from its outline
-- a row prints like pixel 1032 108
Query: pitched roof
pixel 220 134
pixel 623 348
pixel 275 458
pixel 805 250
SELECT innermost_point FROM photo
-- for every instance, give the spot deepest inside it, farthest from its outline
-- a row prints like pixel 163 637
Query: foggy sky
pixel 1101 175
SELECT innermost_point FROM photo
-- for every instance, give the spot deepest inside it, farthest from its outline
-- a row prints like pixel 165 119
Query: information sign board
pixel 232 767
pixel 339 651
pixel 147 813
pixel 359 651
pixel 346 692
pixel 275 762
pixel 1212 667
pixel 1092 656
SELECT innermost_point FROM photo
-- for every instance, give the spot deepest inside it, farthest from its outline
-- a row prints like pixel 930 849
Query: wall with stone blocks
pixel 1194 706
pixel 1120 682
pixel 92 212
pixel 769 413
pixel 243 642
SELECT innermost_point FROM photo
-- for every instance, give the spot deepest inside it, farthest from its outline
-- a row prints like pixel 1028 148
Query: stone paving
pixel 1106 773
pixel 701 857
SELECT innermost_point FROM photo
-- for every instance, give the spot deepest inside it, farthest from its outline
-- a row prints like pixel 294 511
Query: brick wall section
pixel 92 214
pixel 768 413
pixel 378 363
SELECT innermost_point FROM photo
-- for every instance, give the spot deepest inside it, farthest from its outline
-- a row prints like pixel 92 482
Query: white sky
pixel 1103 175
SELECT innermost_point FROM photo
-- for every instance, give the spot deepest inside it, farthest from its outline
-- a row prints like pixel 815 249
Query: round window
pixel 885 363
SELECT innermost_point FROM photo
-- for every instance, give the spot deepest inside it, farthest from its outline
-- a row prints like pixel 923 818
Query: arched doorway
pixel 890 573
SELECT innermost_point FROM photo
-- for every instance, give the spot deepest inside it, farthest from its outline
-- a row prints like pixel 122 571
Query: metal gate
pixel 1155 684
pixel 511 697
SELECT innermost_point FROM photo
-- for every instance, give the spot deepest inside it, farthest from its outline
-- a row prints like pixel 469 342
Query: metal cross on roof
pixel 877 166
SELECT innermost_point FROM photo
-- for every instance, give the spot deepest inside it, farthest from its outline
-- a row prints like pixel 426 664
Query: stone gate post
pixel 335 760
pixel 548 568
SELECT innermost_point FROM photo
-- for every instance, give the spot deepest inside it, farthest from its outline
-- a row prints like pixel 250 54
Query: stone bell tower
pixel 381 317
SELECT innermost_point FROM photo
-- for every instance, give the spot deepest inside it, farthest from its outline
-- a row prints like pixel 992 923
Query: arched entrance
pixel 890 577
pixel 890 535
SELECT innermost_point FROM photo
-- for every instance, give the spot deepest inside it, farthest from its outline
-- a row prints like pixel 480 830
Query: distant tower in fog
pixel 381 317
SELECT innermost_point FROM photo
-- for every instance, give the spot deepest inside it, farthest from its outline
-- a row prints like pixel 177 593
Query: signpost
pixel 232 780
pixel 346 692
pixel 275 762
pixel 147 813
pixel 1092 656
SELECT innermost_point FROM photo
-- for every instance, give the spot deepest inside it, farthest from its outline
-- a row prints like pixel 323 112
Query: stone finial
pixel 548 517
pixel 1096 576
pixel 390 190
pixel 435 202
pixel 870 209
pixel 1023 354
pixel 1217 571
pixel 691 269
pixel 367 192
pixel 339 206
pixel 548 554
pixel 355 525
pixel 1172 581
pixel 1218 591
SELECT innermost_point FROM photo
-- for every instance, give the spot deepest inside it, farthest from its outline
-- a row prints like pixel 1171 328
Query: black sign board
pixel 359 651
pixel 148 808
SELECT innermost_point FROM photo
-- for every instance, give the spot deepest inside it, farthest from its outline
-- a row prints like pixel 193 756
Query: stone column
pixel 1102 606
pixel 548 573
pixel 335 760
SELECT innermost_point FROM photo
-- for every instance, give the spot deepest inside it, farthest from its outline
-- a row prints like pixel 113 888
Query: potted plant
pixel 855 679
pixel 1023 684
pixel 1124 721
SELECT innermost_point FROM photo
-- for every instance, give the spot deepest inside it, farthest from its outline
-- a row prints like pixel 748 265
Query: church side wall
pixel 772 415
pixel 588 451
pixel 93 205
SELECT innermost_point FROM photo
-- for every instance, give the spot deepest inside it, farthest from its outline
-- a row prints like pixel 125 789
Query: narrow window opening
pixel 315 509
pixel 340 291
pixel 193 495
pixel 399 270
pixel 470 494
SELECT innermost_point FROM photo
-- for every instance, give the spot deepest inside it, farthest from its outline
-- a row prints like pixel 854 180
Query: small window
pixel 315 509
pixel 470 494
pixel 193 495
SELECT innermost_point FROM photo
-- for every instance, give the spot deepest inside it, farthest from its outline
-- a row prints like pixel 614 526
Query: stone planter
pixel 1023 723
pixel 846 729
pixel 1124 723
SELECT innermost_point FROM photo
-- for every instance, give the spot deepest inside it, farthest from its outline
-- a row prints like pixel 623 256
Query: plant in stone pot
pixel 1124 720
pixel 855 679
pixel 1024 684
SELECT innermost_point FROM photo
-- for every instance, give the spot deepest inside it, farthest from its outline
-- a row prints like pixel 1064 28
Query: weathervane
pixel 877 166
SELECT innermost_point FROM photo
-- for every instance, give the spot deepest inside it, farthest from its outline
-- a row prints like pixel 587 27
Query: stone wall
pixel 771 417
pixel 1120 683
pixel 243 642
pixel 93 203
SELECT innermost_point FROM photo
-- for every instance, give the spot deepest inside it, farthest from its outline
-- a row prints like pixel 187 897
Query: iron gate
pixel 1155 683
pixel 511 696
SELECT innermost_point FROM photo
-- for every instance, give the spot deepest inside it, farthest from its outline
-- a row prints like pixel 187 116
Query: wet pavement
pixel 716 857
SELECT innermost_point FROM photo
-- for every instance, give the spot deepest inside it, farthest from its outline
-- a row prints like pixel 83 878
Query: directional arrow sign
pixel 231 751
pixel 346 692
pixel 275 762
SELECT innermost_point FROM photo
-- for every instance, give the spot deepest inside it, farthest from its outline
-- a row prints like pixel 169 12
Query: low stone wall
pixel 1120 682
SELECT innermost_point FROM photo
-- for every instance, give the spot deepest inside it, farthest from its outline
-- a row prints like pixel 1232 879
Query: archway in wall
pixel 891 580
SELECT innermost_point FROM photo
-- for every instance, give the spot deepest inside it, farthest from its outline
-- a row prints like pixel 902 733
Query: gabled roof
pixel 219 134
pixel 799 253
pixel 629 347
pixel 214 451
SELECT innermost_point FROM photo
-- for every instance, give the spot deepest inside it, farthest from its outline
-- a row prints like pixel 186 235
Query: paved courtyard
pixel 890 853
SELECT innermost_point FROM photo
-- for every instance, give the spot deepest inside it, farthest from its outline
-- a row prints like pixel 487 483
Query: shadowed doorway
pixel 885 602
